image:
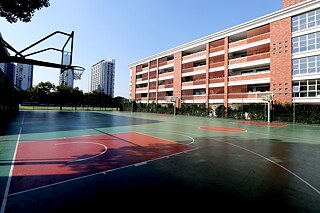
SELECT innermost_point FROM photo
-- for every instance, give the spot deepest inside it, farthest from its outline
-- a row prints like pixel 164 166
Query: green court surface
pixel 52 161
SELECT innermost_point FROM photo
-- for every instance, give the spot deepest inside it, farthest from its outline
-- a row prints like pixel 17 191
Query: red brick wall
pixel 238 89
pixel 177 76
pixel 288 3
pixel 226 71
pixel 133 82
pixel 281 61
pixel 207 73
pixel 258 31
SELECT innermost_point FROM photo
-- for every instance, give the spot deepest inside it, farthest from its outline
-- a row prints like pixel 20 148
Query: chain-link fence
pixel 262 106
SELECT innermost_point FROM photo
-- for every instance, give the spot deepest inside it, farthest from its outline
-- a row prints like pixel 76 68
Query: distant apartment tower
pixel 2 67
pixel 23 76
pixel 9 71
pixel 66 78
pixel 102 77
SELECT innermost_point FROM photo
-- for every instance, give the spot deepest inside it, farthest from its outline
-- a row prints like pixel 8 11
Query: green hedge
pixel 309 114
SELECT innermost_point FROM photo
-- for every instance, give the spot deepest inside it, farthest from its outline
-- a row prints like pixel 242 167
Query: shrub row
pixel 309 114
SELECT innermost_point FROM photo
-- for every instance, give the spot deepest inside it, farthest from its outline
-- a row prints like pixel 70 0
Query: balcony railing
pixel 165 74
pixel 216 80
pixel 251 95
pixel 196 82
pixel 165 86
pixel 249 40
pixel 193 69
pixel 194 55
pixel 216 49
pixel 194 97
pixel 249 58
pixel 217 64
pixel 166 62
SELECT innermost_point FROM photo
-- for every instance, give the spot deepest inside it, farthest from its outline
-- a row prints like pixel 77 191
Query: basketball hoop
pixel 77 72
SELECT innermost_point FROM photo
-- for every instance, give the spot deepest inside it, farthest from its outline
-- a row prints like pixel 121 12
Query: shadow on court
pixel 53 121
pixel 221 173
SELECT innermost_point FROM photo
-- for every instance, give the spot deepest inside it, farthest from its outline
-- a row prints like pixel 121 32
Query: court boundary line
pixel 282 136
pixel 275 163
pixel 100 173
pixel 27 141
pixel 6 193
pixel 168 132
pixel 267 159
pixel 262 122
pixel 227 127
pixel 83 159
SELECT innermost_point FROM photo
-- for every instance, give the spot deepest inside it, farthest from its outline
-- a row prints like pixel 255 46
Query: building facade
pixel 66 78
pixel 23 76
pixel 10 69
pixel 277 55
pixel 102 77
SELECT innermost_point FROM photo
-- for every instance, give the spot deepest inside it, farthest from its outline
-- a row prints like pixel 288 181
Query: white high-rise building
pixel 102 77
pixel 23 76
pixel 66 78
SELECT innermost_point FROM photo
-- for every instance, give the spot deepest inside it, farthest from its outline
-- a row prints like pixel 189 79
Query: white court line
pixel 58 138
pixel 284 168
pixel 6 193
pixel 98 173
pixel 226 127
pixel 168 132
pixel 83 159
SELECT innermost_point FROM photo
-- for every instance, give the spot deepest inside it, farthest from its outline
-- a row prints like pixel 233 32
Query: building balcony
pixel 194 69
pixel 166 63
pixel 153 76
pixel 252 60
pixel 153 98
pixel 141 90
pixel 249 97
pixel 216 80
pixel 216 49
pixel 166 75
pixel 249 40
pixel 194 57
pixel 216 96
pixel 165 86
pixel 217 64
pixel 248 77
pixel 192 83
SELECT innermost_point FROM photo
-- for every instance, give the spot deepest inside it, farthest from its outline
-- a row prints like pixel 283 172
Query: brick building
pixel 277 54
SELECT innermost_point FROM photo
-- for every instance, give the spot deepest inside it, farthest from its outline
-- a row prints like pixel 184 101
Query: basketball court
pixel 52 161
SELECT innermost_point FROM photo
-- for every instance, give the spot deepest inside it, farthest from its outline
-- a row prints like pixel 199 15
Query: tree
pixel 63 94
pixel 23 10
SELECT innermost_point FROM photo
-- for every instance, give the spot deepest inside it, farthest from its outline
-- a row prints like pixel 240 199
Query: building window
pixel 306 88
pixel 199 91
pixel 306 20
pixel 306 42
pixel 169 93
pixel 187 78
pixel 307 65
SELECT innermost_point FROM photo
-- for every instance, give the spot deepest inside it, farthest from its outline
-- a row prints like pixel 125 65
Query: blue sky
pixel 126 30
